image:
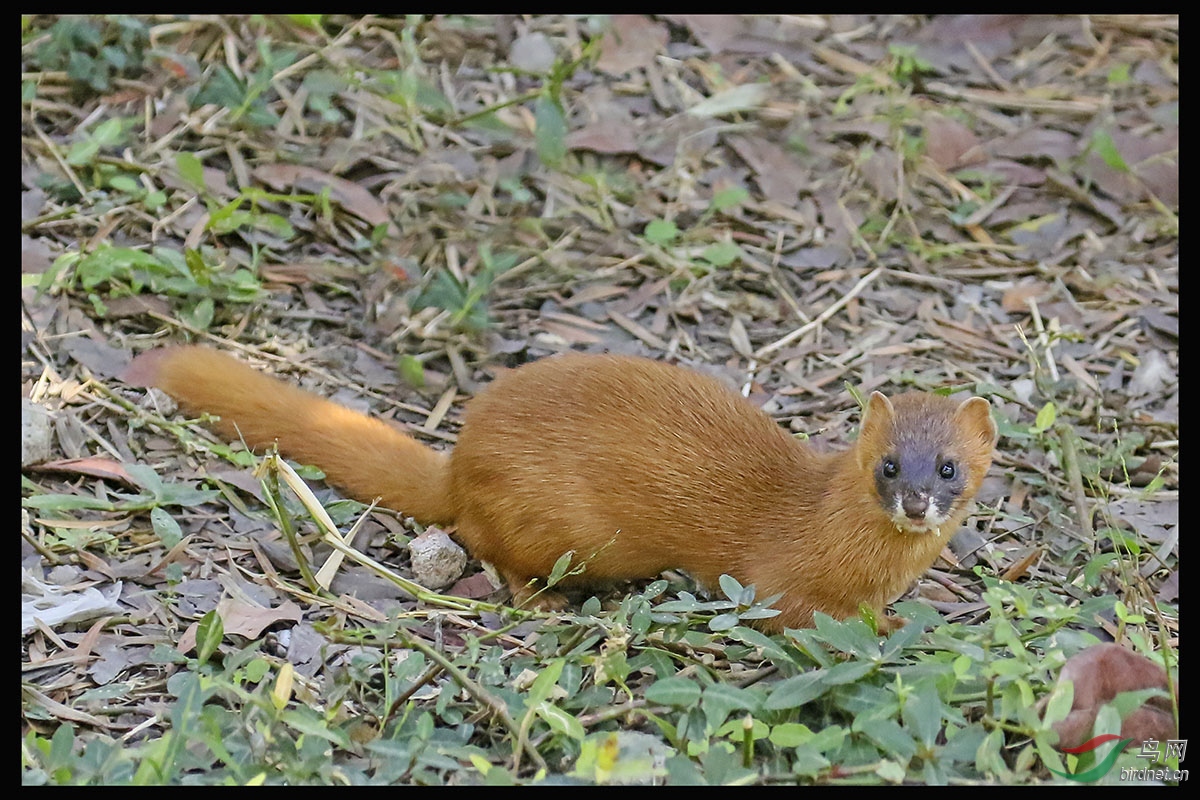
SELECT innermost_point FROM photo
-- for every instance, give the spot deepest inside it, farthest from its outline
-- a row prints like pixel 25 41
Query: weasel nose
pixel 915 506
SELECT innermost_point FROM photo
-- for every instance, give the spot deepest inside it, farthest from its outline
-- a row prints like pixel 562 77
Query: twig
pixel 1066 436
pixel 1043 340
pixel 766 350
pixel 491 701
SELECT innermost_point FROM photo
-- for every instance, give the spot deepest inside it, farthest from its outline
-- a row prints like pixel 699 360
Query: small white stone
pixel 436 560
pixel 35 433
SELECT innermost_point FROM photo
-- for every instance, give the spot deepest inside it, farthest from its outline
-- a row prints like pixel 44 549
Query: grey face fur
pixel 918 485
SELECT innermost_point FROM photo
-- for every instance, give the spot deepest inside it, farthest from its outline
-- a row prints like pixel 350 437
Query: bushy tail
pixel 366 457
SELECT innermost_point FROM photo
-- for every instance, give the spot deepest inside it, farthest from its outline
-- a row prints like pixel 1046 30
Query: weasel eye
pixel 947 471
pixel 890 468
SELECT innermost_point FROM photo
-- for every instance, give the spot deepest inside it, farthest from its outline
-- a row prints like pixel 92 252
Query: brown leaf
pixel 1152 161
pixel 1080 373
pixel 568 333
pixel 448 164
pixel 943 40
pixel 350 196
pixel 592 292
pixel 241 478
pixel 881 172
pixel 662 141
pixel 614 134
pixel 1152 519
pixel 631 43
pixel 932 590
pixel 1140 475
pixel 117 657
pixel 215 181
pixel 822 257
pixel 1011 172
pixel 1021 566
pixel 1055 145
pixel 750 34
pixel 1039 236
pixel 243 619
pixel 36 255
pixel 950 143
pixel 95 466
pixel 309 650
pixel 1015 299
pixel 101 358
pixel 776 171
pixel 1160 321
pixel 1161 177
pixel 739 338
pixel 1169 591
pixel 1152 374
pixel 879 130
pixel 303 273
pixel 249 621
pixel 367 586
pixel 633 327
pixel 135 306
pixel 474 587
pixel 1100 673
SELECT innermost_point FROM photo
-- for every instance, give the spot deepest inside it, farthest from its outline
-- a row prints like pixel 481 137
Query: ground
pixel 389 211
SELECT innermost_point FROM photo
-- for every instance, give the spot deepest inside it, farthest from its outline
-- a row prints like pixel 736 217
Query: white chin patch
pixel 908 526
pixel 930 523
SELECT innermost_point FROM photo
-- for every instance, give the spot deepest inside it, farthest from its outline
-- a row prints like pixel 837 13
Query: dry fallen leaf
pixel 631 43
pixel 1015 299
pixel 951 144
pixel 349 195
pixel 243 619
pixel 776 171
pixel 1100 673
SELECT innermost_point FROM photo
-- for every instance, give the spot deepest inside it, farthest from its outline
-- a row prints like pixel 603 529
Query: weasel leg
pixel 529 592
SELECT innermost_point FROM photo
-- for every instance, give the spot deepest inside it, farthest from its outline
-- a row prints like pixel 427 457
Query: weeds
pixel 94 50
pixel 465 298
pixel 888 711
pixel 110 272
pixel 664 237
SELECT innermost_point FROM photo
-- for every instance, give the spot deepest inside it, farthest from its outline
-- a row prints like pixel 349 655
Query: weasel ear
pixel 879 409
pixel 975 416
pixel 877 420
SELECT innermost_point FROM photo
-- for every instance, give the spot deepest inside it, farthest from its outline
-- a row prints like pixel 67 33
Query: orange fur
pixel 634 465
pixel 367 457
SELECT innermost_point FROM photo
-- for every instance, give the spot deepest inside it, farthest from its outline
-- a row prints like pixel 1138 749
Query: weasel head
pixel 926 457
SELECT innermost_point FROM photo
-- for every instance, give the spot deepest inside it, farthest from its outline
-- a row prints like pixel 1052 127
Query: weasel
pixel 636 466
